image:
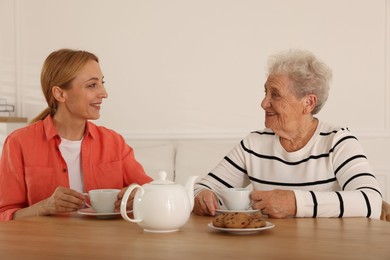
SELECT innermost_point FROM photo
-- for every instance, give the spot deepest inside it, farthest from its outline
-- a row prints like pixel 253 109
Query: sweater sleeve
pixel 230 172
pixel 359 194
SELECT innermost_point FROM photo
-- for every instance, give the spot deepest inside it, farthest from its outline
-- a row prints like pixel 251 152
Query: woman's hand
pixel 62 200
pixel 206 203
pixel 129 201
pixel 274 203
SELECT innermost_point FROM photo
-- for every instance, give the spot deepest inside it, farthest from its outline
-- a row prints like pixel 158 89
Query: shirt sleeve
pixel 12 184
pixel 133 170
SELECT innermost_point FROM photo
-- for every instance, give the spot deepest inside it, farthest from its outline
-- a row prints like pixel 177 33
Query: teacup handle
pixel 85 201
pixel 126 198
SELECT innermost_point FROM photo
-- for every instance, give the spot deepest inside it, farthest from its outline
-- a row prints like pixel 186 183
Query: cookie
pixel 256 223
pixel 218 221
pixel 236 220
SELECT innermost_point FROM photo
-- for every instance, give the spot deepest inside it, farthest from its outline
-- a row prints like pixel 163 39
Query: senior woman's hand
pixel 275 203
pixel 206 203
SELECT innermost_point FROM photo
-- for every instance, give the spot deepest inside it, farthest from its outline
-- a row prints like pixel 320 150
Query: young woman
pixel 46 166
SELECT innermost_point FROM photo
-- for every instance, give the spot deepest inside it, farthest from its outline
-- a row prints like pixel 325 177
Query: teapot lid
pixel 162 179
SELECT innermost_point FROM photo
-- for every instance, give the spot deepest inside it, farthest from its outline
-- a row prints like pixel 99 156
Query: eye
pixel 93 85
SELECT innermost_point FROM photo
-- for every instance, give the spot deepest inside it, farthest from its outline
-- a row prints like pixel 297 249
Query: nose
pixel 265 103
pixel 103 92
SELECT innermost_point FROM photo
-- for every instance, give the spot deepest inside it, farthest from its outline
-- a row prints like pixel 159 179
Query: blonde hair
pixel 59 69
pixel 309 74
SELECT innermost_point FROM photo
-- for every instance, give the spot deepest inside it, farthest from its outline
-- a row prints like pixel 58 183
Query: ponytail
pixel 43 115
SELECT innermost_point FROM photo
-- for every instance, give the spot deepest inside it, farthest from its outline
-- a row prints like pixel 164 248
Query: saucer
pixel 91 212
pixel 237 210
pixel 243 231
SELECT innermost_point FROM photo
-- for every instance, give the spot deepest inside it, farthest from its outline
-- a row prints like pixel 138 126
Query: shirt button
pixel 64 170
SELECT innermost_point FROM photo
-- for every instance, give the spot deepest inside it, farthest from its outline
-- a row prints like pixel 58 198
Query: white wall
pixel 196 68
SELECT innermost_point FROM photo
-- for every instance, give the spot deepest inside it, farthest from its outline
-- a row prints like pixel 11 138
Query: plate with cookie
pixel 244 210
pixel 240 223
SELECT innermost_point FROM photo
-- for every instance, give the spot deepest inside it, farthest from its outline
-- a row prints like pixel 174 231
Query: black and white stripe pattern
pixel 330 176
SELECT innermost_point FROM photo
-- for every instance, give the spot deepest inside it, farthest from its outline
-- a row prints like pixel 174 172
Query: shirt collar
pixel 90 130
pixel 51 130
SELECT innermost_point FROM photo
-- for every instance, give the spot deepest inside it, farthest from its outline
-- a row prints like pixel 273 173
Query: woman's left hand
pixel 129 201
pixel 274 203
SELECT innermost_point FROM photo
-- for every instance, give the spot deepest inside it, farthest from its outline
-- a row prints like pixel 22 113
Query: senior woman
pixel 298 165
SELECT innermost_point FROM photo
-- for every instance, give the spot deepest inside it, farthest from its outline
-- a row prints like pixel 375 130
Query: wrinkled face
pixel 283 110
pixel 84 98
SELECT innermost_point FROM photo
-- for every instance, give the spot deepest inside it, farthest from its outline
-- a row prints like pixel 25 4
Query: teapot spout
pixel 189 186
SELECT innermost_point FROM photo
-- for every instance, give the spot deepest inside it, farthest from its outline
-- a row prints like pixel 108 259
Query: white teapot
pixel 160 206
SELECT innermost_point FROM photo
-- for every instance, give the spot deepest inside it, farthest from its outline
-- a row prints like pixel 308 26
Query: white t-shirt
pixel 71 151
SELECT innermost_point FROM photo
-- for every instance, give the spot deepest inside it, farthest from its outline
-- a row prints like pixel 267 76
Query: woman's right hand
pixel 206 203
pixel 62 200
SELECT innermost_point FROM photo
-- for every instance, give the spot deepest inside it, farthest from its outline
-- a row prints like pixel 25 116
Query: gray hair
pixel 309 74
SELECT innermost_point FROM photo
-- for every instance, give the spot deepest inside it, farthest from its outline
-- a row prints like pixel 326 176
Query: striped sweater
pixel 330 176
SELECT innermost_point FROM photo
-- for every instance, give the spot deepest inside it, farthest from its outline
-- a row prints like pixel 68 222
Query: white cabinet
pixel 8 125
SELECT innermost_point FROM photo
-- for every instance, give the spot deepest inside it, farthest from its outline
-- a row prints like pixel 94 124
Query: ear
pixel 310 103
pixel 58 93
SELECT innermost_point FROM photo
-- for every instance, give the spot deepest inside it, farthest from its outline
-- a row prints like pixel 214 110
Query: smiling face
pixel 83 100
pixel 284 112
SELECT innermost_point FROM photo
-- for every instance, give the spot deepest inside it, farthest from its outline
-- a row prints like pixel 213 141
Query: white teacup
pixel 102 200
pixel 236 198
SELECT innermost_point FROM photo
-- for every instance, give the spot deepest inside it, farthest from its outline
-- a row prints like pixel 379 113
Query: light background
pixel 196 69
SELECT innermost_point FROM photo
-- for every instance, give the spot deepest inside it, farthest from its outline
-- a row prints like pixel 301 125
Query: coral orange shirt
pixel 32 167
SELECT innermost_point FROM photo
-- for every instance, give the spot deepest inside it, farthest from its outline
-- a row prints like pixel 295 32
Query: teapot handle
pixel 126 198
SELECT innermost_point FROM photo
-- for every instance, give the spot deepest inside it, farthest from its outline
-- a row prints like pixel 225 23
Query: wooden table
pixel 85 237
